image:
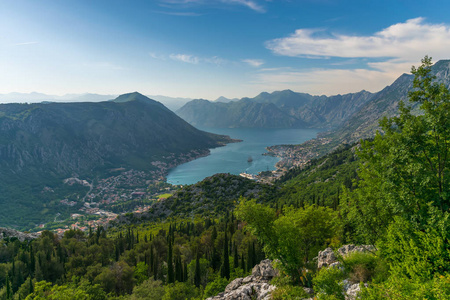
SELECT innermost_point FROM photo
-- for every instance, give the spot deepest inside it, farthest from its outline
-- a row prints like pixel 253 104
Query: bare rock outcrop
pixel 255 286
pixel 21 236
pixel 327 257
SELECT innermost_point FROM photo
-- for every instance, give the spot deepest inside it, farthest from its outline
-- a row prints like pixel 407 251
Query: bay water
pixel 233 158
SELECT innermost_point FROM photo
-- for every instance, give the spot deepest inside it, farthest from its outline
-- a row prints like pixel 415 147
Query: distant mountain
pixel 364 123
pixel 171 103
pixel 281 109
pixel 243 113
pixel 225 100
pixel 39 97
pixel 41 144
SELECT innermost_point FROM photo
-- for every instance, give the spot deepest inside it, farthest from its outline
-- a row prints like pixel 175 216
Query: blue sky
pixel 212 48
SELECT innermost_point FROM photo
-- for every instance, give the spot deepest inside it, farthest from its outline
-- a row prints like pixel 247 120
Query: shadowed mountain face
pixel 40 144
pixel 131 131
pixel 282 109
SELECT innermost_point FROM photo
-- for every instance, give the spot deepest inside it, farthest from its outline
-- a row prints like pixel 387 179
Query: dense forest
pixel 391 192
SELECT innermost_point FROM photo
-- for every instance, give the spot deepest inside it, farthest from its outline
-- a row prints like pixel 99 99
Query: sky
pixel 211 48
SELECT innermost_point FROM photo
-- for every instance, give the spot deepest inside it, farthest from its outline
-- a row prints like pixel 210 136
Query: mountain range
pixel 353 115
pixel 43 143
pixel 280 109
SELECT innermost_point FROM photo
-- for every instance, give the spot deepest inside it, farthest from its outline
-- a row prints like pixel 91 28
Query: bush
pixel 215 287
pixel 360 266
pixel 328 282
pixel 403 288
pixel 288 292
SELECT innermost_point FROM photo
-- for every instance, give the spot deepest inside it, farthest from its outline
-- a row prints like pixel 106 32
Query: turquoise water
pixel 232 158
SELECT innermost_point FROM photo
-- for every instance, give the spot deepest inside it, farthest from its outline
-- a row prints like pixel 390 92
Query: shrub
pixel 360 266
pixel 403 288
pixel 328 282
pixel 287 292
pixel 215 287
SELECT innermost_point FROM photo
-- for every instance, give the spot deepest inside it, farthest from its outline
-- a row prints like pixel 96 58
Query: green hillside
pixel 42 144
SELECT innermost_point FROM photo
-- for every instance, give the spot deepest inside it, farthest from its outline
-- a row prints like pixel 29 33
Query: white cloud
pixel 396 48
pixel 252 4
pixel 254 62
pixel 215 60
pixel 408 40
pixel 156 56
pixel 187 58
pixel 192 59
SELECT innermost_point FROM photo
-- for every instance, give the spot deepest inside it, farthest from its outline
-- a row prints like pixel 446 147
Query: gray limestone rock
pixel 21 236
pixel 255 286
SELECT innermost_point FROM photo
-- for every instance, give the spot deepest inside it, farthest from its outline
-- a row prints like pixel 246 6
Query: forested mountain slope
pixel 42 144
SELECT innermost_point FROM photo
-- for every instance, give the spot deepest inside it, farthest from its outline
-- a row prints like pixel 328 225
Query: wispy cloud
pixel 156 56
pixel 189 58
pixel 252 4
pixel 186 58
pixel 179 13
pixel 254 62
pixel 403 40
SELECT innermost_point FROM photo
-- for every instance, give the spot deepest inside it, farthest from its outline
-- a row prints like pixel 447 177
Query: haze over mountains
pixel 170 102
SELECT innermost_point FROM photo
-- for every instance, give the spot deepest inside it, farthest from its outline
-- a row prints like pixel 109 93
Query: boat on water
pixel 249 159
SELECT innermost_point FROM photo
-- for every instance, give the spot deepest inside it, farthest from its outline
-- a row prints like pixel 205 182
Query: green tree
pixel 149 289
pixel 404 171
pixel 225 269
pixel 170 271
pixel 295 237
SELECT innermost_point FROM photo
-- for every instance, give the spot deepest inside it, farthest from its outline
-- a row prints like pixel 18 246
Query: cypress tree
pixel 254 262
pixel 197 274
pixel 235 257
pixel 30 286
pixel 243 263
pixel 225 269
pixel 170 273
pixel 178 269
pixel 249 257
pixel 214 234
pixel 152 260
pixel 155 268
pixel 185 271
pixel 8 288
